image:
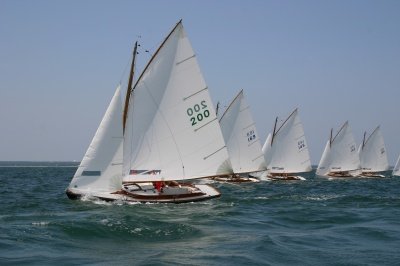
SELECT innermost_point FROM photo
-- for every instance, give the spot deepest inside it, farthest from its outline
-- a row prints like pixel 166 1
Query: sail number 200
pixel 198 112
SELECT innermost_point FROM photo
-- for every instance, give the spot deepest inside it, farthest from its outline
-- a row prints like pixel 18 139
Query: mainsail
pixel 241 137
pixel 101 167
pixel 288 151
pixel 340 154
pixel 172 132
pixel 372 153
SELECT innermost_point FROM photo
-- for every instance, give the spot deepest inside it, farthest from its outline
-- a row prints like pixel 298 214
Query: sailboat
pixel 396 169
pixel 286 151
pixel 340 157
pixel 170 132
pixel 373 156
pixel 241 138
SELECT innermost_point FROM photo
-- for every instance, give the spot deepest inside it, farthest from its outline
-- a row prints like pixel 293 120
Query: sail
pixel 340 153
pixel 241 137
pixel 266 149
pixel 372 153
pixel 101 167
pixel 289 150
pixel 172 132
pixel 396 169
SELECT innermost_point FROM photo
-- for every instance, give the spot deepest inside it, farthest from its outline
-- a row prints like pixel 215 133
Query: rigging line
pixel 205 158
pixel 185 98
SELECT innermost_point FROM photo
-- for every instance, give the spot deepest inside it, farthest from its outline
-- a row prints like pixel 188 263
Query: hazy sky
pixel 60 62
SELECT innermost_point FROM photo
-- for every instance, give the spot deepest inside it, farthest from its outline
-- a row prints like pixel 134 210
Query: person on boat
pixel 158 185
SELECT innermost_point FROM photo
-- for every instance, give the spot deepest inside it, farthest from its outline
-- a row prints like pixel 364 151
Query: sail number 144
pixel 198 112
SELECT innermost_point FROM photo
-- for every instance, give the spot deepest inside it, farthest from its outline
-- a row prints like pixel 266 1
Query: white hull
pixel 148 194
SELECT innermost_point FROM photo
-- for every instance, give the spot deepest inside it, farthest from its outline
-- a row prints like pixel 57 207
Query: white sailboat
pixel 396 169
pixel 241 138
pixel 340 157
pixel 373 155
pixel 172 132
pixel 286 151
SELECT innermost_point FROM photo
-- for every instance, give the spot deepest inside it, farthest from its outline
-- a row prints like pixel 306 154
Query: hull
pixel 280 177
pixel 133 193
pixel 372 175
pixel 285 177
pixel 235 179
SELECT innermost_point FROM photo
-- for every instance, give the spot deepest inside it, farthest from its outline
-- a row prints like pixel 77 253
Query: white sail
pixel 372 153
pixel 396 169
pixel 172 132
pixel 340 154
pixel 101 167
pixel 266 149
pixel 241 137
pixel 289 150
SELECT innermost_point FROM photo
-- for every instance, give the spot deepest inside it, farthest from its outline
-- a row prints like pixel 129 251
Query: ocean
pixel 313 222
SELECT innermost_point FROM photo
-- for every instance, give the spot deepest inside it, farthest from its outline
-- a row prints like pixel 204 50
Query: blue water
pixel 314 222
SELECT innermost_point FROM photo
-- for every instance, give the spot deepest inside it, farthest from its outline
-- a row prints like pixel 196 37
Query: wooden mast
pixel 129 88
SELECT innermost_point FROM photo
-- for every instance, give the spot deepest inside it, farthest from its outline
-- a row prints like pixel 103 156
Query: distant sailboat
pixel 241 138
pixel 286 150
pixel 373 156
pixel 340 157
pixel 396 169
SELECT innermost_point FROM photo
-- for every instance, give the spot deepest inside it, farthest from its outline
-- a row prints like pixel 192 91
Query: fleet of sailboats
pixel 166 134
pixel 286 150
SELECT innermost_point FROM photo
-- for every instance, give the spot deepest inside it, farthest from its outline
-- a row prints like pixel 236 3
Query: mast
pixel 330 138
pixel 129 88
pixel 363 143
pixel 273 132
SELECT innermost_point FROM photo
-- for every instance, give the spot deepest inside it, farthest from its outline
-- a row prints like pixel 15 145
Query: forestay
pixel 340 153
pixel 101 167
pixel 372 153
pixel 241 137
pixel 172 132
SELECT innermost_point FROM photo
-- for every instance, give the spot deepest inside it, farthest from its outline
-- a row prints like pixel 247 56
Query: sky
pixel 60 62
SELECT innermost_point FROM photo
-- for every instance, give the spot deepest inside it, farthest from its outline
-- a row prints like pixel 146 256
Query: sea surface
pixel 313 222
